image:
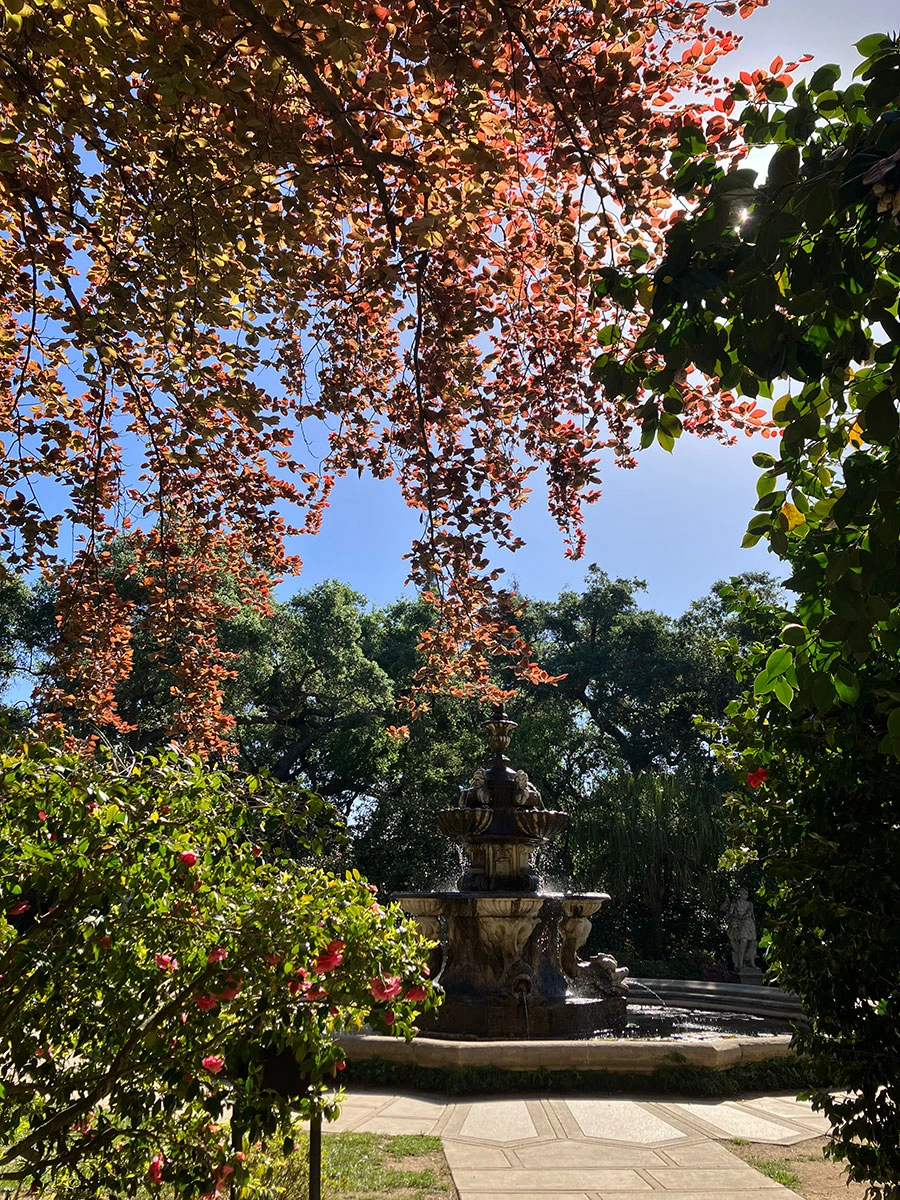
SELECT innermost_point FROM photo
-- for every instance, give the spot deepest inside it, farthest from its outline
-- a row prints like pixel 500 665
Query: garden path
pixel 592 1147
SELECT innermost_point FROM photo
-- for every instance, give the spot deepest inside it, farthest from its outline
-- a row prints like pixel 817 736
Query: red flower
pixel 339 1066
pixel 166 962
pixel 18 909
pixel 155 1170
pixel 390 1017
pixel 231 990
pixel 299 984
pixel 42 816
pixel 188 858
pixel 758 777
pixel 218 955
pixel 104 942
pixel 273 959
pixel 387 988
pixel 213 1063
pixel 205 1003
pixel 317 993
pixel 330 958
pixel 416 993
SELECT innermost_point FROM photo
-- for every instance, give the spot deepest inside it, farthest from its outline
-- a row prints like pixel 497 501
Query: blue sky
pixel 676 520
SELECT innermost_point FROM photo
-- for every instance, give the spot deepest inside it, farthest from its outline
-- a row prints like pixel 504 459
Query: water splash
pixel 637 983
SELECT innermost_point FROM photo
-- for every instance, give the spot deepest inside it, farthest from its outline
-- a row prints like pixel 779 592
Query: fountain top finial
pixel 499 728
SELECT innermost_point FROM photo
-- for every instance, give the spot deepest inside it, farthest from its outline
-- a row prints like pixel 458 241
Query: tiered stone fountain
pixel 508 956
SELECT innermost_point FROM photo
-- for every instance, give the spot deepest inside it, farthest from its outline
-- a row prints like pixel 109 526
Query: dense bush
pixel 172 983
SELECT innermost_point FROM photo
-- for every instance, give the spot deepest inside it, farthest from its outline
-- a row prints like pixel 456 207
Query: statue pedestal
pixel 751 975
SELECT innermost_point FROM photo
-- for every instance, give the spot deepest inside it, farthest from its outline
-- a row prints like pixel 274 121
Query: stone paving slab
pixel 592 1147
pixel 521 1195
pixel 700 1179
pixel 548 1155
pixel 767 1190
pixel 726 1117
pixel 618 1120
pixel 550 1182
pixel 499 1121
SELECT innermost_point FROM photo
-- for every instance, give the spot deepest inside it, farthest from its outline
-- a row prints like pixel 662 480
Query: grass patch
pixel 739 1141
pixel 368 1166
pixel 776 1171
pixel 355 1166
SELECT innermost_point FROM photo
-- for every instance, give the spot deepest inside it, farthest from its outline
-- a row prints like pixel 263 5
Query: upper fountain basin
pixel 508 824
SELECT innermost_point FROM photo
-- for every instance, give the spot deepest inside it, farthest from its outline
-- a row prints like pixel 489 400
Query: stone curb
pixel 717 997
pixel 605 1054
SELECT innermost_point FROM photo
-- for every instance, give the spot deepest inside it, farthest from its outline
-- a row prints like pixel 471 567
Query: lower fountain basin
pixel 574 1017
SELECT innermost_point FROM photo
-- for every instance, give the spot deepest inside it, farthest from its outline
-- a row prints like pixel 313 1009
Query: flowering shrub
pixel 161 965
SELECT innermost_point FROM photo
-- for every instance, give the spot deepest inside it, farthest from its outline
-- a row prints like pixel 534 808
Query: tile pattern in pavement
pixel 592 1147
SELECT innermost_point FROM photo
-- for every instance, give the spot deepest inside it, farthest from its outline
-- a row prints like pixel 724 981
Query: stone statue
pixel 603 975
pixel 476 795
pixel 741 930
pixel 526 794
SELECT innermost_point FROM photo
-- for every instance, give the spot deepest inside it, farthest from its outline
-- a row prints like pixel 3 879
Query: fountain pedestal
pixel 509 951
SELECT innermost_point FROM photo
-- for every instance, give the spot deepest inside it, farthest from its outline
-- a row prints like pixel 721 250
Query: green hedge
pixel 777 1074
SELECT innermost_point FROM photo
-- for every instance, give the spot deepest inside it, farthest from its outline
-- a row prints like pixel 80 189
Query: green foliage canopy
pixel 788 290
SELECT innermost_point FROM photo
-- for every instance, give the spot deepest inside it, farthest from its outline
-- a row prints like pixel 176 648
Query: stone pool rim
pixel 613 1055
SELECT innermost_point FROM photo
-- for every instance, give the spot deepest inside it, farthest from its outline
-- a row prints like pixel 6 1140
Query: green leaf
pixel 881 418
pixel 872 42
pixel 784 692
pixel 763 683
pixel 825 78
pixel 779 661
pixel 846 685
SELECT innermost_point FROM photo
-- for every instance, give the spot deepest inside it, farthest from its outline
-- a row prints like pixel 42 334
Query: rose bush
pixel 151 937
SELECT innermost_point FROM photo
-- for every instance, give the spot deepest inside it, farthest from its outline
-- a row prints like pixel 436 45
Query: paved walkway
pixel 592 1147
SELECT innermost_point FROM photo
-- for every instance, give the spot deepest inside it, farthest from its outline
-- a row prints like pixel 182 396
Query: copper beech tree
pixel 249 246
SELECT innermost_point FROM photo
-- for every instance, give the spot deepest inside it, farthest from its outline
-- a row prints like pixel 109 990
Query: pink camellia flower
pixel 758 777
pixel 390 1017
pixel 188 858
pixel 316 993
pixel 232 989
pixel 205 1003
pixel 42 816
pixel 273 960
pixel 155 1169
pixel 218 955
pixel 339 1066
pixel 387 988
pixel 166 962
pixel 299 984
pixel 213 1063
pixel 415 993
pixel 330 958
pixel 17 909
pixel 425 970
